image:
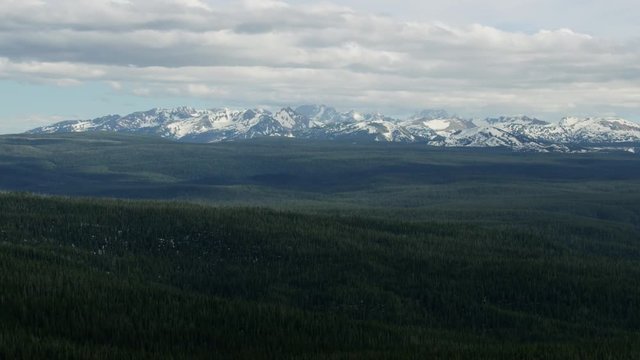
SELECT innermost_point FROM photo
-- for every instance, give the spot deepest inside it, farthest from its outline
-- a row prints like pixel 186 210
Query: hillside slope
pixel 106 279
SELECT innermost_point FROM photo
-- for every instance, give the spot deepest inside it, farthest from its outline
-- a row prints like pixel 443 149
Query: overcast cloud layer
pixel 270 53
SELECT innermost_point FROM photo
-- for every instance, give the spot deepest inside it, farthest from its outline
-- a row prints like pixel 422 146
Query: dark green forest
pixel 129 247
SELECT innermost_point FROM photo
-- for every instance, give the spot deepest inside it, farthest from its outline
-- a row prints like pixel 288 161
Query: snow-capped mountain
pixel 598 130
pixel 320 115
pixel 500 137
pixel 433 123
pixel 292 120
pixel 375 127
pixel 570 130
pixel 433 127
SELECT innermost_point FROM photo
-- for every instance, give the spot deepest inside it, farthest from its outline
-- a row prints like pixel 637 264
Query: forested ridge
pixel 90 278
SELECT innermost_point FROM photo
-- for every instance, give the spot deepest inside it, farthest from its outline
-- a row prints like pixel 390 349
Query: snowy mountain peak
pixel 599 130
pixel 290 119
pixel 319 114
pixel 570 121
pixel 449 125
pixel 433 127
pixel 354 116
pixel 612 123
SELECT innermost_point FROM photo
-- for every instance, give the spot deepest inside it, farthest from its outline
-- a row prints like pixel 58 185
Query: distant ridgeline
pixel 433 127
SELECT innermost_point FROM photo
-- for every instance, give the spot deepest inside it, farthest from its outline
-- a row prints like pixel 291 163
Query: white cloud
pixel 264 4
pixel 273 52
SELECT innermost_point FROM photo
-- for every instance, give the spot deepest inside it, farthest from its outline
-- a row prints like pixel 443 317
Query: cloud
pixel 274 52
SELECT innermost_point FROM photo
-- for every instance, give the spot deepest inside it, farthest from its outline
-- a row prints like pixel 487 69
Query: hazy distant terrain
pixel 273 171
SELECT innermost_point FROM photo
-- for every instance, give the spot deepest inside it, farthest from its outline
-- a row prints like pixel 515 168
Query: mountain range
pixel 432 127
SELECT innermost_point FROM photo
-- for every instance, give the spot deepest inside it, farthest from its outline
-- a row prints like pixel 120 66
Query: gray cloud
pixel 270 52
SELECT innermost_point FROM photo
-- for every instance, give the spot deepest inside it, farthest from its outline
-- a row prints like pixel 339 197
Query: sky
pixel 78 59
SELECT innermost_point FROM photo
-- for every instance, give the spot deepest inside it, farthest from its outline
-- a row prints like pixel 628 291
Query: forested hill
pixel 118 279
